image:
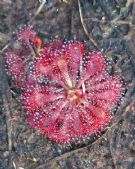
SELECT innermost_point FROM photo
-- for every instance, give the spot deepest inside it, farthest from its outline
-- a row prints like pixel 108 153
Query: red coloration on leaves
pixel 16 67
pixel 26 35
pixel 55 44
pixel 86 94
pixel 36 96
pixel 74 53
pixel 68 95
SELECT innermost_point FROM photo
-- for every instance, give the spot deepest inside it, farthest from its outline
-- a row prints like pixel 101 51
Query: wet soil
pixel 106 25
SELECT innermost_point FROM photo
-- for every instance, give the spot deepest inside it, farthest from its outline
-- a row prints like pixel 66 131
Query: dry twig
pixel 42 3
pixel 85 27
pixel 7 100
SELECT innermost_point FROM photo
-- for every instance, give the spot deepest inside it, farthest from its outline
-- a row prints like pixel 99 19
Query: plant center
pixel 74 96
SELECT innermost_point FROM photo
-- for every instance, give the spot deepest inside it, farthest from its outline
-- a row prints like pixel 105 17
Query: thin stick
pixel 6 98
pixel 38 10
pixel 85 27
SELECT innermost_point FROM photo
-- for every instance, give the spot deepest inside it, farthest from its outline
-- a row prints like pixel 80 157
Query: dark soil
pixel 106 25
